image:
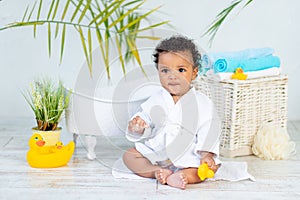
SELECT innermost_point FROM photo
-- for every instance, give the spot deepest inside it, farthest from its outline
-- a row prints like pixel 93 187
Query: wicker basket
pixel 245 105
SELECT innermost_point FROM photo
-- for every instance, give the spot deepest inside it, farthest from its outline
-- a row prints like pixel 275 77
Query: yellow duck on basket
pixel 40 156
pixel 239 74
pixel 204 172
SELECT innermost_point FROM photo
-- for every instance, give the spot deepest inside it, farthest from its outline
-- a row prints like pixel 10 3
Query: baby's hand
pixel 137 125
pixel 207 158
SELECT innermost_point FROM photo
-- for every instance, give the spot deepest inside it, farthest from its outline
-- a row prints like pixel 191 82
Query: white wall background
pixel 264 23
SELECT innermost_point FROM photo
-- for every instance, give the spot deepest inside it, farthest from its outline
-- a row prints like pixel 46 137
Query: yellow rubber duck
pixel 204 172
pixel 40 156
pixel 239 74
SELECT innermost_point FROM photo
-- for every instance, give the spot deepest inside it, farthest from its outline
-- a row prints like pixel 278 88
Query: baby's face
pixel 176 72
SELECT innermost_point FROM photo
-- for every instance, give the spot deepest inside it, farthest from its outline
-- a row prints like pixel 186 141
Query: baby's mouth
pixel 173 84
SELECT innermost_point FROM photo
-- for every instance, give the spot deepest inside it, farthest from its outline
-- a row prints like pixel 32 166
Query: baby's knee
pixel 129 154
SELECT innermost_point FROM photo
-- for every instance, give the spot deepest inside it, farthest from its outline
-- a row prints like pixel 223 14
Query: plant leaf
pixel 85 49
pixel 63 35
pixel 49 39
pixel 108 14
pixel 120 55
pixel 50 9
pixel 55 9
pixel 65 10
pixel 131 23
pixel 101 14
pixel 25 13
pixel 76 10
pixel 87 6
pixel 220 18
pixel 30 14
pixel 125 14
pixel 90 46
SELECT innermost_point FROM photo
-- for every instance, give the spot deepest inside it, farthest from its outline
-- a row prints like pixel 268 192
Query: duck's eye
pixel 36 138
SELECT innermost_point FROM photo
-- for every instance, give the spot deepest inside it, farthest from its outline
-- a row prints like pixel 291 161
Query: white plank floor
pixel 84 179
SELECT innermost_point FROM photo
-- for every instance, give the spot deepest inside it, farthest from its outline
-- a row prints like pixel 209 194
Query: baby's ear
pixel 195 73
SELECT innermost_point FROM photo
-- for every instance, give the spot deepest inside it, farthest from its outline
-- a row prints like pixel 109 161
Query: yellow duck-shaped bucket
pixel 204 172
pixel 41 156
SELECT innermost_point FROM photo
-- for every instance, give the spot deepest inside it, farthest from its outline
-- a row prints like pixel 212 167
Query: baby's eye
pixel 164 70
pixel 181 70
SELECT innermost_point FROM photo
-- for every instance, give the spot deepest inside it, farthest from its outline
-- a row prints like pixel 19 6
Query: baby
pixel 177 128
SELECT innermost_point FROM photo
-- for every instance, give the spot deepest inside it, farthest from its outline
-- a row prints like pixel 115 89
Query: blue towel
pixel 209 58
pixel 254 64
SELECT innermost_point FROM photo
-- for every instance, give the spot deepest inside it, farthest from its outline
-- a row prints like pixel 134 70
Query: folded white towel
pixel 229 171
pixel 274 71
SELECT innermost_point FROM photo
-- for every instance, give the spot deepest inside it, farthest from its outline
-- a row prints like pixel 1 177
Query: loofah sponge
pixel 273 143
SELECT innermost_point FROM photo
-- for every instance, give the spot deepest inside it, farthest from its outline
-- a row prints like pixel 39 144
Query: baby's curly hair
pixel 176 44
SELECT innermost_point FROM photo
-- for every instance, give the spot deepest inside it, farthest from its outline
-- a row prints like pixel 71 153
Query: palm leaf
pixel 63 35
pixel 50 9
pixel 37 17
pixel 119 46
pixel 49 39
pixel 87 6
pixel 65 10
pixel 30 14
pixel 122 16
pixel 25 14
pixel 84 48
pixel 55 9
pixel 76 10
pixel 220 18
pixel 131 23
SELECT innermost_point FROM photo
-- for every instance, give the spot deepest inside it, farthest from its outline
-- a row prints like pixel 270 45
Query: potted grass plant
pixel 48 100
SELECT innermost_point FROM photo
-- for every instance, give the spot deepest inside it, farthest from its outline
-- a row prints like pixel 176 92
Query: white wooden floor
pixel 84 179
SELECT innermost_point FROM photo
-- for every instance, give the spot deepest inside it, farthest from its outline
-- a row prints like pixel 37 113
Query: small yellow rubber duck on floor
pixel 239 74
pixel 205 172
pixel 40 156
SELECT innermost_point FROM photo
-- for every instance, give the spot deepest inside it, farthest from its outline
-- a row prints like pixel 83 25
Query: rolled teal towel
pixel 209 58
pixel 254 64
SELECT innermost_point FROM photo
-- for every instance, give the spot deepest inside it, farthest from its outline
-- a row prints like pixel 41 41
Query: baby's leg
pixel 140 165
pixel 183 177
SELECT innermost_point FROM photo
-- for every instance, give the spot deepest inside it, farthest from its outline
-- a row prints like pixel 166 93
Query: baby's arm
pixel 137 125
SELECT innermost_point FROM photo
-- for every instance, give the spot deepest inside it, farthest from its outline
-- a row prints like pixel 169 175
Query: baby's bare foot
pixel 162 174
pixel 178 180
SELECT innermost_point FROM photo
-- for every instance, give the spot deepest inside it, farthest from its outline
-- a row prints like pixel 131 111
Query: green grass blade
pixel 63 35
pixel 56 30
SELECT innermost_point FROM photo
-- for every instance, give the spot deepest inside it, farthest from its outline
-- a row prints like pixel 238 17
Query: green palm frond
pixel 220 18
pixel 101 18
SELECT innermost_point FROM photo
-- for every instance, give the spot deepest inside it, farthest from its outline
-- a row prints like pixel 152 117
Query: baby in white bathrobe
pixel 177 129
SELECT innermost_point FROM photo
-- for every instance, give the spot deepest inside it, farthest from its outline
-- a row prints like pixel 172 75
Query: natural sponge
pixel 273 143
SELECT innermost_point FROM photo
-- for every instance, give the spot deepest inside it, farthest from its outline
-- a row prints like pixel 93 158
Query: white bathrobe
pixel 178 131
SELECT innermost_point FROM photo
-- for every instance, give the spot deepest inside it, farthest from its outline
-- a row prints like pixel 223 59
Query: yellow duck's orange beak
pixel 40 143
